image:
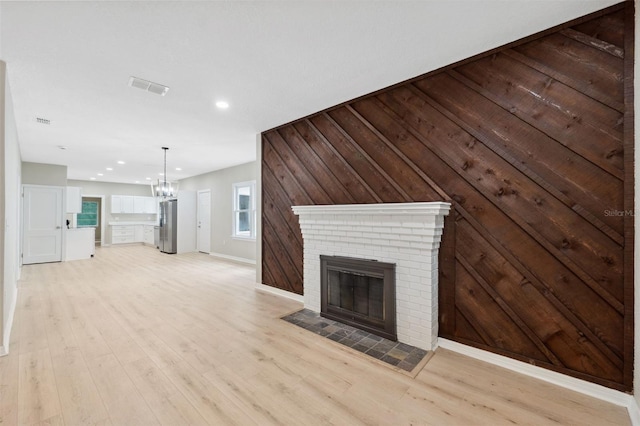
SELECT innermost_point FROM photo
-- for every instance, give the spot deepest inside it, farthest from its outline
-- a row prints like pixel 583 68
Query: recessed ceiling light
pixel 92 178
pixel 148 178
pixel 100 174
pixel 178 168
pixel 137 181
pixel 109 168
pixel 120 162
pixel 222 104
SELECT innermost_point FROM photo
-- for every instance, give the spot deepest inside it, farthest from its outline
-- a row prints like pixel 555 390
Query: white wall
pixel 1 33
pixel 7 288
pixel 10 181
pixel 220 183
pixel 44 174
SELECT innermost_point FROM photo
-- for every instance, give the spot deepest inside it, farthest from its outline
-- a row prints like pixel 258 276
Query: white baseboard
pixel 234 258
pixel 597 391
pixel 634 412
pixel 280 292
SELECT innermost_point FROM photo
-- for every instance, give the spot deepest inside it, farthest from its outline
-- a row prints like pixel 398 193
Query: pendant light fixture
pixel 165 189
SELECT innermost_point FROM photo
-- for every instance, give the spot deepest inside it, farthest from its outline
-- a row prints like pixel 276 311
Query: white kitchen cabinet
pixel 74 199
pixel 123 234
pixel 150 205
pixel 149 236
pixel 127 204
pixel 116 204
pixel 133 204
pixel 138 233
pixel 121 204
pixel 139 204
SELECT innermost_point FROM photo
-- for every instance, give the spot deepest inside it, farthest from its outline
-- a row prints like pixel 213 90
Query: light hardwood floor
pixel 137 337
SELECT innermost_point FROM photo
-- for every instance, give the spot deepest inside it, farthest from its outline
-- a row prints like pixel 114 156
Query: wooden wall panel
pixel 532 144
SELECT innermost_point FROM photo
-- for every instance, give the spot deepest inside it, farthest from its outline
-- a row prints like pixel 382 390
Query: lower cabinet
pixel 148 235
pixel 123 234
pixel 126 234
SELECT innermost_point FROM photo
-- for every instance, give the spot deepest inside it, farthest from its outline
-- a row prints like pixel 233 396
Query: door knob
pixel 57 227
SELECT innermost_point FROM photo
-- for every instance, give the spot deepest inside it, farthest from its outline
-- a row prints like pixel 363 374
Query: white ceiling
pixel 273 61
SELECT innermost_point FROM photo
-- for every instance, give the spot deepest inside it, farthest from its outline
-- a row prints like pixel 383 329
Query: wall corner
pixel 259 208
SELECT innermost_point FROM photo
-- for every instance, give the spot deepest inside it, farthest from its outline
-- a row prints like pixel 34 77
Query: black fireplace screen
pixel 359 292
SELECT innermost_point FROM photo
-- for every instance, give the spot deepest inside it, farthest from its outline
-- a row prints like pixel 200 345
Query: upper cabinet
pixel 121 204
pixel 139 204
pixel 150 205
pixel 74 199
pixel 133 204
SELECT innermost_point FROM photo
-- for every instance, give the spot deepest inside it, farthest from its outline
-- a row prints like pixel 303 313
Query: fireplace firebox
pixel 359 292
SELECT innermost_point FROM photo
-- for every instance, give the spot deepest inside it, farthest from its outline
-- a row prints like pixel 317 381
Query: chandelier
pixel 165 189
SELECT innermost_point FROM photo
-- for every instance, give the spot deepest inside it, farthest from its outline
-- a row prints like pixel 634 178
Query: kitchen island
pixel 81 243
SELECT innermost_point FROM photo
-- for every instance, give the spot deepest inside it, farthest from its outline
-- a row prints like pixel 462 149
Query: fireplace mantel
pixel 400 209
pixel 407 234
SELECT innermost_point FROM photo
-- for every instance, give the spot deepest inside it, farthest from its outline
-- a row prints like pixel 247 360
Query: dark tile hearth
pixel 401 355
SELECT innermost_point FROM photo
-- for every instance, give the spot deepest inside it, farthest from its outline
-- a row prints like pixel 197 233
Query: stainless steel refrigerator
pixel 168 226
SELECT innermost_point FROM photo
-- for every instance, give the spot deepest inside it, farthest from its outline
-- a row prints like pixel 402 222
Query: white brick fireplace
pixel 407 234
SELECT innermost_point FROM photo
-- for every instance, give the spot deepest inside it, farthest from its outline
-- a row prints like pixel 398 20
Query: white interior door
pixel 42 219
pixel 204 221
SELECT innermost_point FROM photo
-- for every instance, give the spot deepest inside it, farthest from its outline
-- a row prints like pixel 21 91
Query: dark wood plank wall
pixel 533 146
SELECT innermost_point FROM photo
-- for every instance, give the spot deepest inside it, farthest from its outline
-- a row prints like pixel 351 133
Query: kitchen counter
pixel 129 222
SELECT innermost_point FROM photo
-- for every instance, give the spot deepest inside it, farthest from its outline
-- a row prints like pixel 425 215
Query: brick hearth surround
pixel 407 234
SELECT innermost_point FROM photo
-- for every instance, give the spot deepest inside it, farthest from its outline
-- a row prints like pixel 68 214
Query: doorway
pixel 204 221
pixel 91 216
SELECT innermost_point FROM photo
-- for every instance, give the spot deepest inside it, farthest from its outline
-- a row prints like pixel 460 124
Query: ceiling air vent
pixel 149 86
pixel 43 120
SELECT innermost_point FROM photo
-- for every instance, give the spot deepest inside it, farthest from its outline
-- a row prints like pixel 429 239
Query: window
pixel 89 215
pixel 244 210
